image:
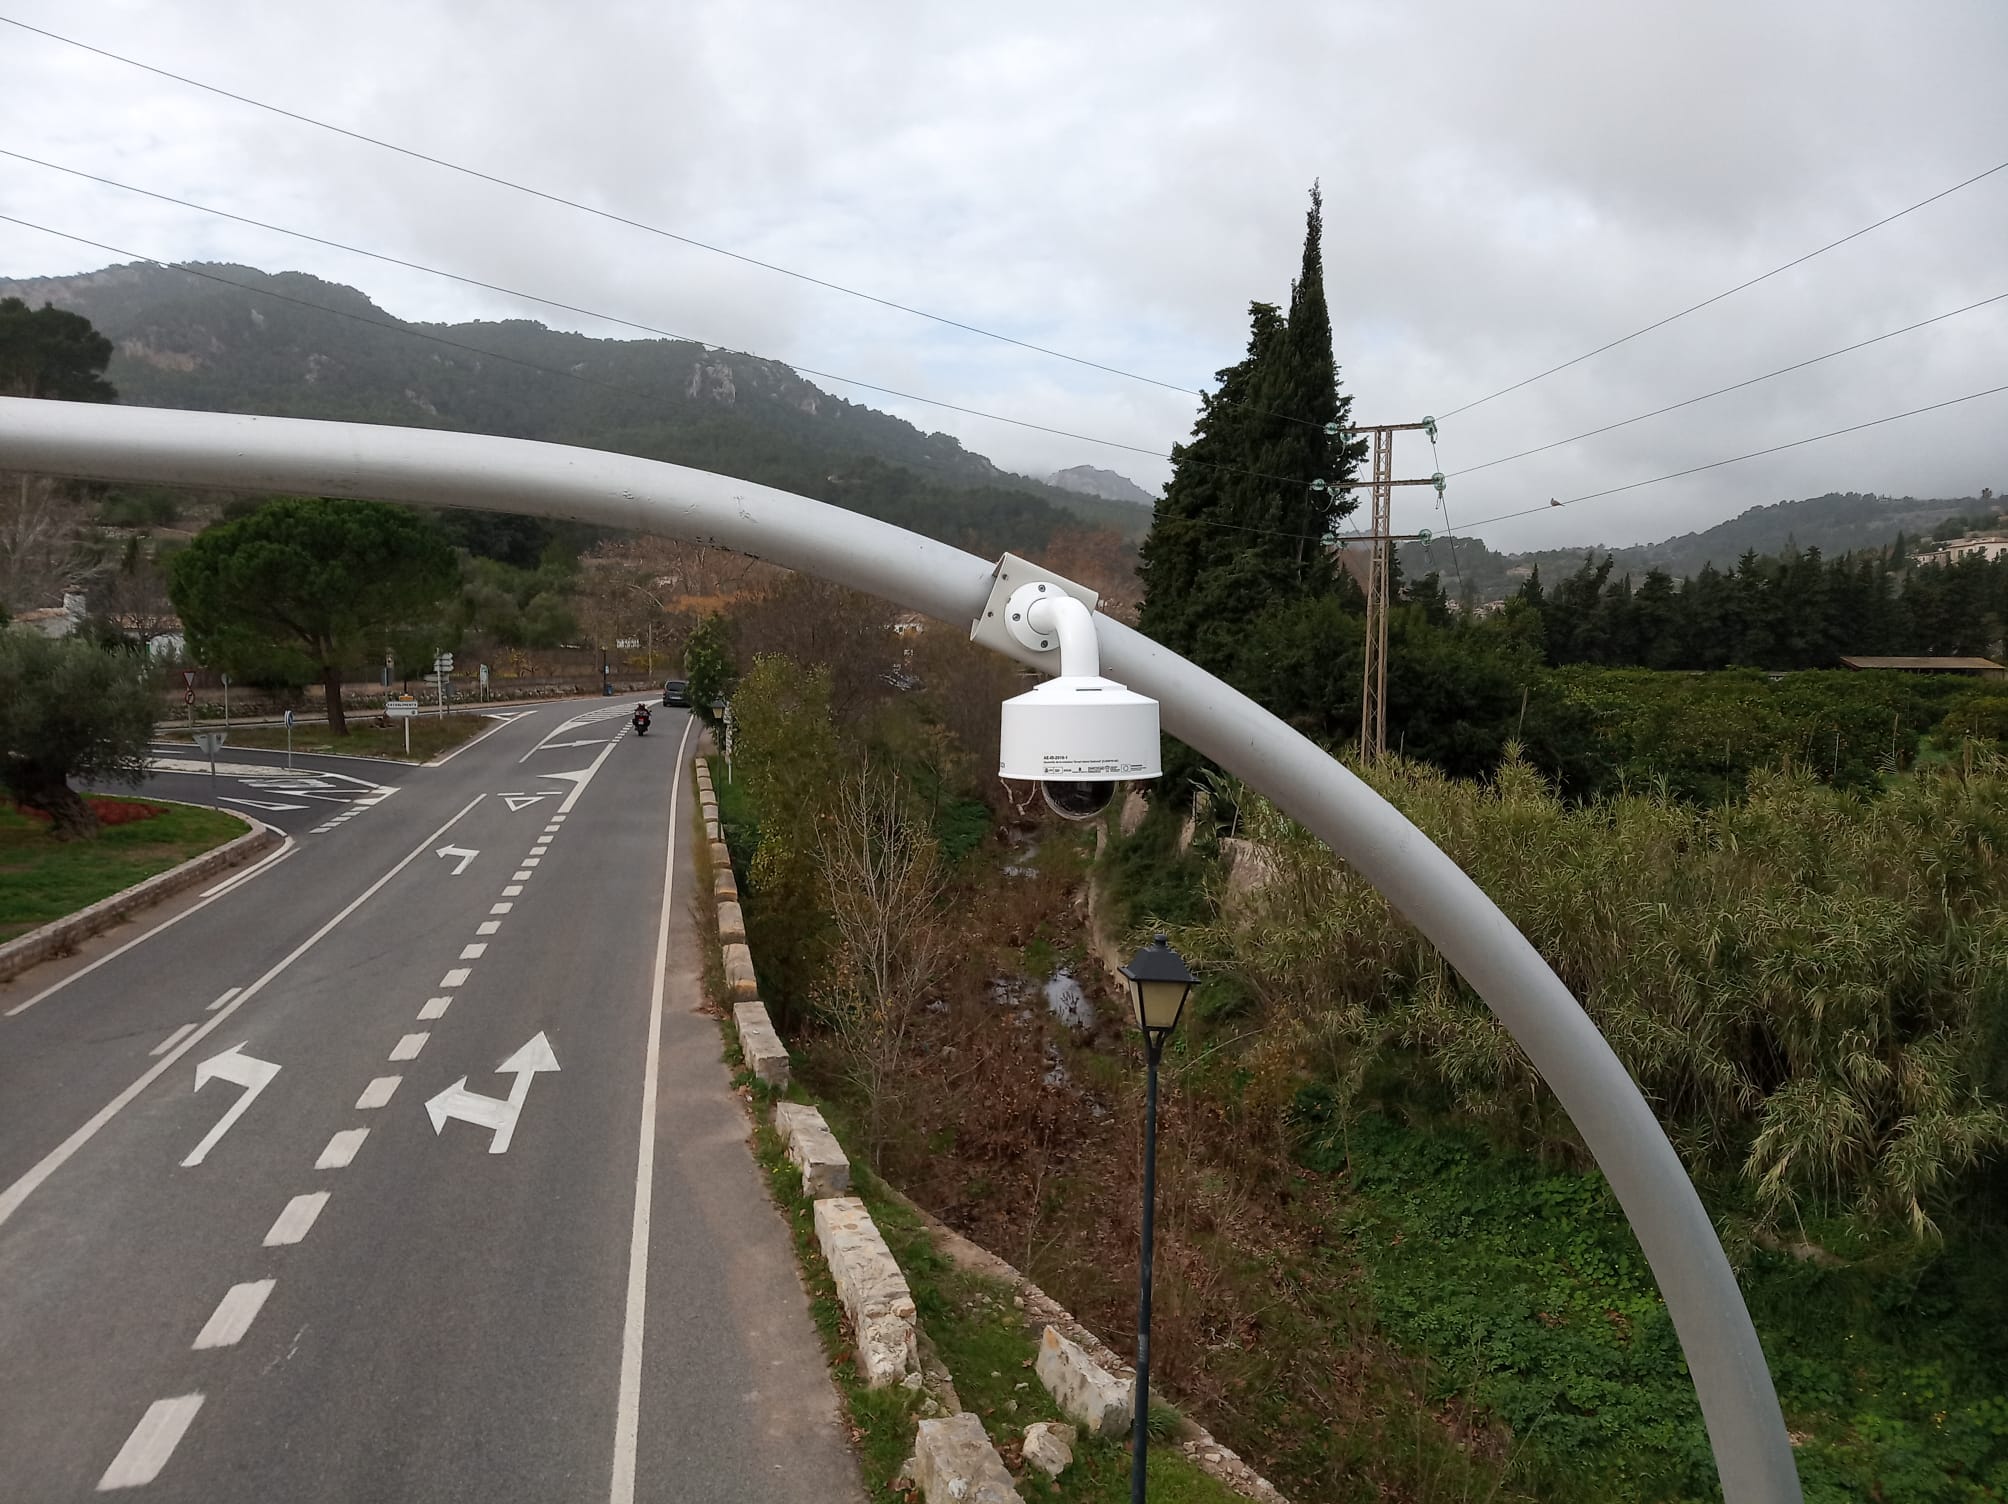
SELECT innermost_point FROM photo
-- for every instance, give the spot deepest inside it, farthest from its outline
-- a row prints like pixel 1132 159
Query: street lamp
pixel 651 628
pixel 1159 985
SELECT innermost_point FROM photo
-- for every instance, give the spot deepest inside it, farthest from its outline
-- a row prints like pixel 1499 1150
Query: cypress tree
pixel 1240 529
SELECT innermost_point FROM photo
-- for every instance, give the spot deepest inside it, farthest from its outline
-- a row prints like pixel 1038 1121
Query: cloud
pixel 1506 188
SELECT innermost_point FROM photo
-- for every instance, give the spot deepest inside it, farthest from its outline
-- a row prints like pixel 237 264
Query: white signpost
pixel 441 667
pixel 289 740
pixel 402 709
pixel 210 742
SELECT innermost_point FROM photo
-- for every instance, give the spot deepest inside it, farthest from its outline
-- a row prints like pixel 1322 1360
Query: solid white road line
pixel 500 722
pixel 234 1314
pixel 22 1189
pixel 474 951
pixel 221 1001
pixel 204 902
pixel 341 1150
pixel 435 1007
pixel 581 779
pixel 296 1219
pixel 377 1093
pixel 408 1047
pixel 172 1040
pixel 627 1415
pixel 286 848
pixel 152 1442
pixel 456 977
pixel 489 926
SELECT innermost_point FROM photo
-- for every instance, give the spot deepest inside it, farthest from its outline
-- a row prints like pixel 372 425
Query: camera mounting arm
pixel 1039 614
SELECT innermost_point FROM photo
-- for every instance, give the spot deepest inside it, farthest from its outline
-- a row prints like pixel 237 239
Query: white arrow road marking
pixel 492 1112
pixel 152 1442
pixel 466 857
pixel 234 1066
pixel 234 1314
pixel 257 803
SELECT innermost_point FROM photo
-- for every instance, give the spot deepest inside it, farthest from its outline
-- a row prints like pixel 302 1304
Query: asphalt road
pixel 356 1178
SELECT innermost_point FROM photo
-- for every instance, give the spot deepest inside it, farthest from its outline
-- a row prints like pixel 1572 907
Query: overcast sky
pixel 1507 186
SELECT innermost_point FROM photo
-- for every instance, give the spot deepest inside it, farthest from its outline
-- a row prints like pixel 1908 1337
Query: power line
pixel 1738 458
pixel 1737 387
pixel 1739 287
pixel 354 250
pixel 620 219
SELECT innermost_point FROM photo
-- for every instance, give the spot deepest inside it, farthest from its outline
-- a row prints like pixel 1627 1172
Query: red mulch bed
pixel 109 811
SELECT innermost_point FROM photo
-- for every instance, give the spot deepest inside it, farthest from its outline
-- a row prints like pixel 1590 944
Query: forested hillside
pixel 241 340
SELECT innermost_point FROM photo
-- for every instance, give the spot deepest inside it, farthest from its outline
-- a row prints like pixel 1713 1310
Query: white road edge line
pixel 203 903
pixel 22 1189
pixel 152 1442
pixel 234 1314
pixel 296 1220
pixel 256 867
pixel 627 1416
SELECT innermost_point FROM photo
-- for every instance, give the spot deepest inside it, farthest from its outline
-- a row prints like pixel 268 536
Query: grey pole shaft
pixel 432 468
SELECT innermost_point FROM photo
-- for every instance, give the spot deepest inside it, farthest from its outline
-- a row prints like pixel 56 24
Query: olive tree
pixel 68 710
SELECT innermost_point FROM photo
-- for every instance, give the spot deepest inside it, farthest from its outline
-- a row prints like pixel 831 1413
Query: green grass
pixel 1526 1291
pixel 430 736
pixel 43 879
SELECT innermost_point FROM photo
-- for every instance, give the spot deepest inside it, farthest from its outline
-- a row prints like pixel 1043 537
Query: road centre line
pixel 22 1189
pixel 377 1093
pixel 435 1007
pixel 408 1047
pixel 627 1416
pixel 297 1219
pixel 152 1442
pixel 341 1150
pixel 202 903
pixel 234 1314
pixel 172 1040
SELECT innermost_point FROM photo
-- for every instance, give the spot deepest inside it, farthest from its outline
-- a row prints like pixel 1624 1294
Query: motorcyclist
pixel 641 720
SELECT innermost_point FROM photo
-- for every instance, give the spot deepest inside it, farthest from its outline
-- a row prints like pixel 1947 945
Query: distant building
pixel 1979 668
pixel 65 620
pixel 1986 545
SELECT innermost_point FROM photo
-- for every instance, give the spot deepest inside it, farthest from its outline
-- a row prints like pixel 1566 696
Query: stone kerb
pixel 765 1055
pixel 826 1171
pixel 954 1463
pixel 721 859
pixel 739 971
pixel 873 1291
pixel 1082 1388
pixel 724 884
pixel 731 921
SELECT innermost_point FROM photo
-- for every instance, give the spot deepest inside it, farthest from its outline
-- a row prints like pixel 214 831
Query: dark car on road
pixel 676 692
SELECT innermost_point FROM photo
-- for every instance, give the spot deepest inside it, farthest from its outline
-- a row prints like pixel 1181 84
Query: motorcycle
pixel 641 720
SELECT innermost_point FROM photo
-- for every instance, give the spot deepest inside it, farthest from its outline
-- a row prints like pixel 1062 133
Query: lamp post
pixel 651 628
pixel 1159 984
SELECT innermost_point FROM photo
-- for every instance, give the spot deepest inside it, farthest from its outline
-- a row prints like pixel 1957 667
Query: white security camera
pixel 1079 735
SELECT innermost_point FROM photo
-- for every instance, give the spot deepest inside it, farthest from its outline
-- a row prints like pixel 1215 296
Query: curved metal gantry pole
pixel 432 468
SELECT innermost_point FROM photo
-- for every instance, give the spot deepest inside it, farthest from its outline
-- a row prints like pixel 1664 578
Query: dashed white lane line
pixel 544 840
pixel 551 830
pixel 489 926
pixel 152 1442
pixel 474 950
pixel 342 1149
pixel 501 908
pixel 435 1007
pixel 377 1093
pixel 519 877
pixel 172 1040
pixel 234 1314
pixel 221 1000
pixel 456 977
pixel 295 1221
pixel 409 1046
pixel 558 819
pixel 531 861
pixel 515 890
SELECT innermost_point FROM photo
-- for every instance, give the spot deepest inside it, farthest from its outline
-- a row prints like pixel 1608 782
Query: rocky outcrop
pixel 1081 1387
pixel 954 1463
pixel 1049 1446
